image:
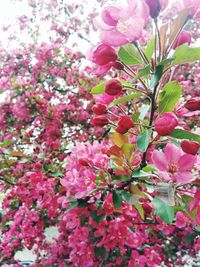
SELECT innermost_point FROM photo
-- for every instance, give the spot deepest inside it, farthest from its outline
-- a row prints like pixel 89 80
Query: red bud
pixel 184 37
pixel 99 109
pixel 165 124
pixel 154 7
pixel 193 104
pixel 190 147
pixel 124 124
pixel 103 54
pixel 113 87
pixel 100 120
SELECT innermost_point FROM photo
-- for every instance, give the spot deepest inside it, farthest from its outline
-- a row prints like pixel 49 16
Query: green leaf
pixel 149 168
pixel 156 77
pixel 100 252
pixel 126 195
pixel 185 54
pixel 117 199
pixel 182 134
pixel 143 72
pixel 127 149
pixel 163 210
pixel 169 96
pixel 150 48
pixel 129 55
pixel 167 62
pixel 143 111
pixel 140 209
pixel 189 238
pixel 95 217
pixel 126 98
pixel 6 142
pixel 143 140
pixel 72 205
pixel 55 174
pixel 98 89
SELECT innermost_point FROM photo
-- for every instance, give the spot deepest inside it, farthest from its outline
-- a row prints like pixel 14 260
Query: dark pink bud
pixel 100 120
pixel 118 65
pixel 99 109
pixel 165 124
pixel 193 104
pixel 103 54
pixel 154 7
pixel 184 37
pixel 190 147
pixel 124 124
pixel 83 161
pixel 113 87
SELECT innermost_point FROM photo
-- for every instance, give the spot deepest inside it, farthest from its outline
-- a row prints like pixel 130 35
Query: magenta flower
pixel 174 165
pixel 120 25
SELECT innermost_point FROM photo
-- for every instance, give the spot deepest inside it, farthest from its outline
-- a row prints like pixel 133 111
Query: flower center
pixel 172 168
pixel 122 26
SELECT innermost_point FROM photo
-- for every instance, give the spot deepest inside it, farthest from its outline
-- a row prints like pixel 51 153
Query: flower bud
pixel 118 65
pixel 154 7
pixel 124 124
pixel 165 124
pixel 193 104
pixel 184 37
pixel 103 54
pixel 190 147
pixel 100 120
pixel 99 109
pixel 113 87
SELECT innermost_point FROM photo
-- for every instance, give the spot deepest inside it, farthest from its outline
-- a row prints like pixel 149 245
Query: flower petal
pixel 183 177
pixel 172 153
pixel 165 175
pixel 186 162
pixel 113 38
pixel 159 160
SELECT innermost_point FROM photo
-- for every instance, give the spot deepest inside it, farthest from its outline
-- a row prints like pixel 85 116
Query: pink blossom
pixel 192 5
pixel 137 259
pixel 120 25
pixel 174 165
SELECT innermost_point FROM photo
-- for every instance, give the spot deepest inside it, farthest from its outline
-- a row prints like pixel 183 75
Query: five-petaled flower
pixel 174 165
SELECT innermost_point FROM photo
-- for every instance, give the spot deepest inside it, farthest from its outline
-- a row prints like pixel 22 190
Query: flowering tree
pixel 116 170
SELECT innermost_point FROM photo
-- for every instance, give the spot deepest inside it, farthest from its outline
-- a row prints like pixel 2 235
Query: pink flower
pixel 165 124
pixel 192 5
pixel 195 204
pixel 174 165
pixel 137 259
pixel 183 38
pixel 120 25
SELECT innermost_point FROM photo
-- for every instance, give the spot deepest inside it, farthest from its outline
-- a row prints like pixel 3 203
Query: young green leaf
pixel 163 210
pixel 182 134
pixel 117 199
pixel 98 89
pixel 185 54
pixel 126 98
pixel 143 140
pixel 169 96
pixel 129 55
pixel 95 217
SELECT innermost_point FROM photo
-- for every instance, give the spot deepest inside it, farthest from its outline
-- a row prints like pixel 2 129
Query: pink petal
pixel 186 162
pixel 172 153
pixel 133 33
pixel 165 176
pixel 99 24
pixel 113 38
pixel 183 177
pixel 198 216
pixel 110 15
pixel 159 160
